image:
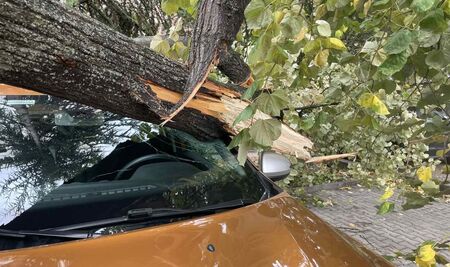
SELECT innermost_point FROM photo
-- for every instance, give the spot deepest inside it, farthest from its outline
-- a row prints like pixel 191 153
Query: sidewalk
pixel 354 212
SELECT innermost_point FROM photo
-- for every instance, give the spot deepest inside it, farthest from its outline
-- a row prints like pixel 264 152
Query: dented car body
pixel 109 191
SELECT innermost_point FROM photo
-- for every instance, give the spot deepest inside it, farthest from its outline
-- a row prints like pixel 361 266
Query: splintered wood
pixel 226 108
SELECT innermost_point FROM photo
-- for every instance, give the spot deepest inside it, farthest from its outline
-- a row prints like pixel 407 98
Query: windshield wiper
pixel 148 214
pixel 45 233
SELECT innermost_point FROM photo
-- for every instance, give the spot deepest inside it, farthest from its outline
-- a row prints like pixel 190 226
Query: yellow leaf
pixel 365 100
pixel 379 107
pixel 367 6
pixel 340 32
pixel 421 263
pixel 321 58
pixel 424 174
pixel 426 256
pixel 388 192
pixel 320 11
pixel 446 7
pixel 442 152
pixel 335 43
pixel 368 100
pixel 278 16
pixel 301 35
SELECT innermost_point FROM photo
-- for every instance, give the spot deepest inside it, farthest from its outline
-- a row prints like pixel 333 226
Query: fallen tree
pixel 49 48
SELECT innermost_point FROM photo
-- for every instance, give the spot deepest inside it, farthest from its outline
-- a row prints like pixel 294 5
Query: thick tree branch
pixel 46 47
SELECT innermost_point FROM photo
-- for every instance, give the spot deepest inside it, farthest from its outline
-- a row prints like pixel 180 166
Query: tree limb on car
pixel 49 48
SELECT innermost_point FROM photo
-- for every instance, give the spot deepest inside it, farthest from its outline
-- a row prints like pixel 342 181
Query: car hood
pixel 276 232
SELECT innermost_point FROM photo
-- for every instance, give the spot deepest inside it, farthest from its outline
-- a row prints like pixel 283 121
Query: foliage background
pixel 364 76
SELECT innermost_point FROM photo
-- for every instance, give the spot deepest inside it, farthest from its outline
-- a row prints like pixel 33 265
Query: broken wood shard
pixel 12 90
pixel 330 157
pixel 226 108
pixel 186 97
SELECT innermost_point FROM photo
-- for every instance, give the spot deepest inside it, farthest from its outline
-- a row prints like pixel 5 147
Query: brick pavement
pixel 354 212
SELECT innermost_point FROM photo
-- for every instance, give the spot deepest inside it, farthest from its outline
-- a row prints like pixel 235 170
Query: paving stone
pixel 354 212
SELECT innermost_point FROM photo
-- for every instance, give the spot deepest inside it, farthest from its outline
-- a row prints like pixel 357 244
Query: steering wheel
pixel 135 163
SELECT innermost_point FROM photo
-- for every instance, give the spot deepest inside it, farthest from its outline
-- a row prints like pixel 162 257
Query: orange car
pixel 110 191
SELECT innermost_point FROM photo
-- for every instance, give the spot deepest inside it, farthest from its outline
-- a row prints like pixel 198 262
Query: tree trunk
pixel 46 47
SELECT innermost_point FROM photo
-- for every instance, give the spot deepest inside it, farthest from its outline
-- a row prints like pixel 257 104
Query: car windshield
pixel 63 163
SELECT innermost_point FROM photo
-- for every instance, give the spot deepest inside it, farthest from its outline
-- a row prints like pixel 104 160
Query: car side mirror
pixel 274 166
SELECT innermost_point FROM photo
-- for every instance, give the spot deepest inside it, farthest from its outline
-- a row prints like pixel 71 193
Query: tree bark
pixel 46 47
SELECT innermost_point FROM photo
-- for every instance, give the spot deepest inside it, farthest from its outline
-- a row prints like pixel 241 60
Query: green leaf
pixel 237 139
pixel 261 69
pixel 160 45
pixel 257 15
pixel 393 64
pixel 323 28
pixel 272 103
pixel 429 97
pixel 180 49
pixel 380 2
pixel 346 125
pixel 422 5
pixel 414 200
pixel 436 59
pixel 441 259
pixel 246 114
pixel 386 207
pixel 434 21
pixel 430 187
pixel 264 132
pixel 306 123
pixel 248 94
pixel 370 121
pixel 276 55
pixel 170 6
pixel 387 85
pixel 243 140
pixel 71 3
pixel 312 46
pixel 260 50
pixel 291 47
pixel 335 4
pixel 428 39
pixel 291 26
pixel 398 42
pixel 442 152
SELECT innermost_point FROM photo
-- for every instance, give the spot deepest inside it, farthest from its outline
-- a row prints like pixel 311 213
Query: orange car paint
pixel 276 232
